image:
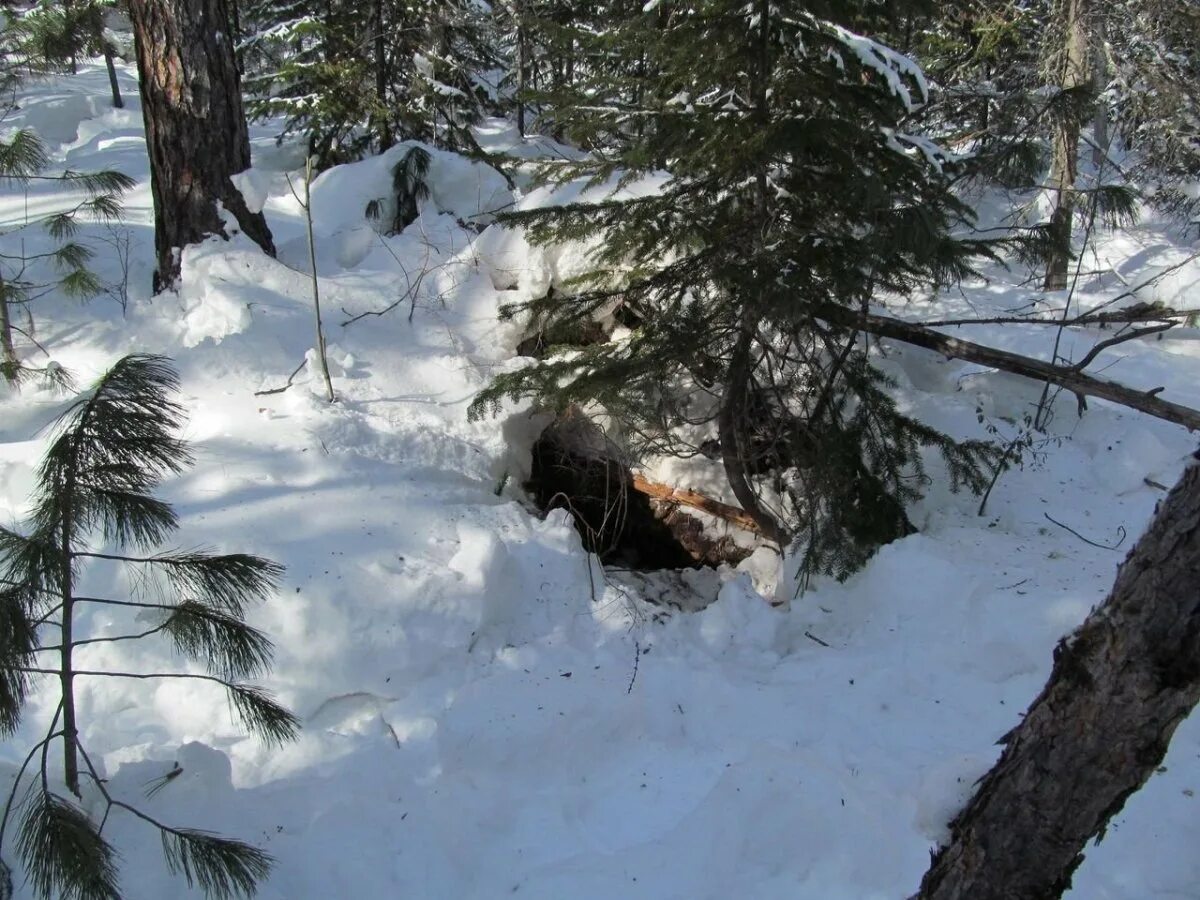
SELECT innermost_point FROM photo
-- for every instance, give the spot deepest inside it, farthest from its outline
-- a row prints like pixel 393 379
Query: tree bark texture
pixel 1074 70
pixel 195 126
pixel 1119 687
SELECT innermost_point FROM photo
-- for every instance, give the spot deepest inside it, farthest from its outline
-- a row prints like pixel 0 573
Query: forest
pixel 460 449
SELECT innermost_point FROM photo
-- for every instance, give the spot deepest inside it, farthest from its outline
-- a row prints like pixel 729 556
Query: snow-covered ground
pixel 487 713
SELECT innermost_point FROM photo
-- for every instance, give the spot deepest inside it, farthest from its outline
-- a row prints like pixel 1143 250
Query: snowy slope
pixel 486 714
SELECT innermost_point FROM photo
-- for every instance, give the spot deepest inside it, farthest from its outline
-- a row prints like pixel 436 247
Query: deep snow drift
pixel 486 712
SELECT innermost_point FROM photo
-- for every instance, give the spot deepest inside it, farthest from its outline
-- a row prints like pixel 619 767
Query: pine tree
pixel 195 127
pixel 354 78
pixel 1154 57
pixel 94 503
pixel 793 188
pixel 62 269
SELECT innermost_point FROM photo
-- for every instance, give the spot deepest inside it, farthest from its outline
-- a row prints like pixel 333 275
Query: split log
pixel 1070 378
pixel 667 494
pixel 1101 726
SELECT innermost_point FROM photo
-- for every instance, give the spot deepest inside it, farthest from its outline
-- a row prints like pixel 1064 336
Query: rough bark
pixel 1067 377
pixel 195 126
pixel 1073 71
pixel 1101 726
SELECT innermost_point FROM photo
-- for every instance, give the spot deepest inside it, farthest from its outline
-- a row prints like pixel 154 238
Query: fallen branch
pixel 1067 377
pixel 681 497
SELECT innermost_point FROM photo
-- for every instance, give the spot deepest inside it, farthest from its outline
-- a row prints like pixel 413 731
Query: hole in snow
pixel 577 468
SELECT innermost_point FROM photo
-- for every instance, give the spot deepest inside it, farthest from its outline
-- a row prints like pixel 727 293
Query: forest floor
pixel 488 713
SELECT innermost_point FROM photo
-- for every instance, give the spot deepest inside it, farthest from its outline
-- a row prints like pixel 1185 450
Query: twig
pixel 1120 531
pixel 280 390
pixel 813 637
pixel 637 655
pixel 1120 339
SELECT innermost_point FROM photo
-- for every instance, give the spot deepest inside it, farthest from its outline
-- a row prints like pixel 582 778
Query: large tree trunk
pixel 1119 687
pixel 1073 70
pixel 195 126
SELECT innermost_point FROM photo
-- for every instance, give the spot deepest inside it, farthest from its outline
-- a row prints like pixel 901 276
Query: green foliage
pixel 409 191
pixel 353 78
pixel 112 448
pixel 793 187
pixel 63 267
pixel 64 852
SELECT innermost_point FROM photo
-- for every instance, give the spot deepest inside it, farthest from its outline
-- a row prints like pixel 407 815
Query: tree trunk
pixel 9 364
pixel 1073 71
pixel 381 76
pixel 113 84
pixel 1119 687
pixel 522 67
pixel 195 126
pixel 1099 85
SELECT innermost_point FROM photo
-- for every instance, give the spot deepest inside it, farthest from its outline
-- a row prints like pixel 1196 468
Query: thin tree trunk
pixel 114 86
pixel 1101 726
pixel 1074 72
pixel 731 418
pixel 1099 84
pixel 9 364
pixel 522 68
pixel 316 285
pixel 195 126
pixel 381 77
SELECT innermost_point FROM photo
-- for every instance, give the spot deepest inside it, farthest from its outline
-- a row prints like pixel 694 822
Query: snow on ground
pixel 486 712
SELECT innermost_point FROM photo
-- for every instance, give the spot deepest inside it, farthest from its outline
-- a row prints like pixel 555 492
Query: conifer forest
pixel 622 450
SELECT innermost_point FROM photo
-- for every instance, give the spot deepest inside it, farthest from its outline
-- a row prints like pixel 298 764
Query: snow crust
pixel 486 712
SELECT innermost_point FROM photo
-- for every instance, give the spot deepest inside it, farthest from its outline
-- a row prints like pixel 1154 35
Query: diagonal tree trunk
pixel 195 126
pixel 1119 687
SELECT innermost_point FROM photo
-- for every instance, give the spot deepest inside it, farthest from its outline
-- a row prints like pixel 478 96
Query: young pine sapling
pixel 94 502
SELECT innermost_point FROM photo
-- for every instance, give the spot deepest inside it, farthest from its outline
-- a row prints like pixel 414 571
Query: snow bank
pixel 488 713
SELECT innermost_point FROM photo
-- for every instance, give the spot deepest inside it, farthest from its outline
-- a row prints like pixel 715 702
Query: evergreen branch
pixel 9 808
pixel 255 708
pixel 18 642
pixel 63 852
pixel 227 581
pixel 229 646
pixel 222 867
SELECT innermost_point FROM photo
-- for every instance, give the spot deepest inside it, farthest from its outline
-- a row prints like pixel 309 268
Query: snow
pixel 486 711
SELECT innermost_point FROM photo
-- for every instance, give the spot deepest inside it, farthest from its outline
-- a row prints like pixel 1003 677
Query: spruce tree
pixel 791 188
pixel 94 503
pixel 354 78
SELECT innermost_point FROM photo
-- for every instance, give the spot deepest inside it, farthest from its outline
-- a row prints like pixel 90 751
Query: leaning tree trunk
pixel 195 126
pixel 1119 687
pixel 1073 70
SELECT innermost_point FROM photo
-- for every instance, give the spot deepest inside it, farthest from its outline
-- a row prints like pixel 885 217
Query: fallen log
pixel 667 494
pixel 1070 378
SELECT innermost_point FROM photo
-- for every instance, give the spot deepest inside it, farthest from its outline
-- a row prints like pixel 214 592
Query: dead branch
pixel 1067 377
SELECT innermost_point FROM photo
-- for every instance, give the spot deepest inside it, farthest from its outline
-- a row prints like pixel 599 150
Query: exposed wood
pixel 1067 377
pixel 1101 726
pixel 195 126
pixel 667 494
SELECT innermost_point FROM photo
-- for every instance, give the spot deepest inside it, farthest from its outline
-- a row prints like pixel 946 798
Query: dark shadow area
pixel 575 467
